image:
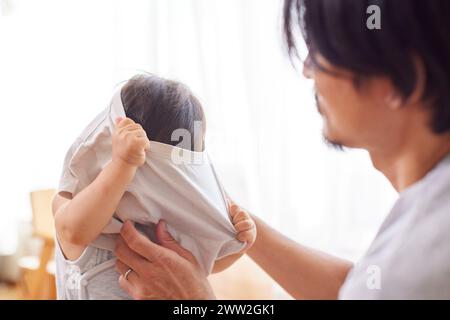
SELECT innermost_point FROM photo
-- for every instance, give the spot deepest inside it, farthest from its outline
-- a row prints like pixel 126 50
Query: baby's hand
pixel 246 232
pixel 244 225
pixel 129 142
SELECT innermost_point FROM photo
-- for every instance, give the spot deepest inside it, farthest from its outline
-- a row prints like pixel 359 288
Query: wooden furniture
pixel 38 279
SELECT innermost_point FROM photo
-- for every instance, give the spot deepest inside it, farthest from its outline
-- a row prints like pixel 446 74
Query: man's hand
pixel 161 272
pixel 129 142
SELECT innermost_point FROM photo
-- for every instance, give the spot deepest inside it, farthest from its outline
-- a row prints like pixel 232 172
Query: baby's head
pixel 161 107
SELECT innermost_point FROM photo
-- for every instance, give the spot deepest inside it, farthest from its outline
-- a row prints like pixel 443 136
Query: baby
pixel 130 167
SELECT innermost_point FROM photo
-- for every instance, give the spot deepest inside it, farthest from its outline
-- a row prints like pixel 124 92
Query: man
pixel 382 86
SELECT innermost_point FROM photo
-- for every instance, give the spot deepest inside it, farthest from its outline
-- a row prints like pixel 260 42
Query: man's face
pixel 356 117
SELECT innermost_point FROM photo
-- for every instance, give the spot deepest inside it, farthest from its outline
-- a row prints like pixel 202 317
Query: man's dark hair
pixel 161 106
pixel 337 29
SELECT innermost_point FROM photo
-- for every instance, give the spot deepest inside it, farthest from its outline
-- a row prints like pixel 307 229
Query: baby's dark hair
pixel 162 106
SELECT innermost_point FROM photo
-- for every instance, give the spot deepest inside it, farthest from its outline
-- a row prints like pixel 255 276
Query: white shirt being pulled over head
pixel 175 184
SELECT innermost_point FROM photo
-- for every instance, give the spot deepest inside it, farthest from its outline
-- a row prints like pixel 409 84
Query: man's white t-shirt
pixel 410 256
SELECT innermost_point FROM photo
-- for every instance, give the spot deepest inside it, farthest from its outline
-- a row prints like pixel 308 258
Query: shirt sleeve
pixel 69 180
pixel 80 162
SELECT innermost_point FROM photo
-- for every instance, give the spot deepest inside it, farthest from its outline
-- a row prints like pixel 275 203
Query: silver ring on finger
pixel 127 273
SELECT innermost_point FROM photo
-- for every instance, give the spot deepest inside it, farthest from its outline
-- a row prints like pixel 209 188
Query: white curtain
pixel 59 61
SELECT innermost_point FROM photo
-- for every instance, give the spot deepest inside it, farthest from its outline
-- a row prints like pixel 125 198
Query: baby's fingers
pixel 133 129
pixel 246 236
pixel 140 143
pixel 234 209
pixel 240 216
pixel 237 213
pixel 244 225
pixel 123 122
pixel 145 143
pixel 118 120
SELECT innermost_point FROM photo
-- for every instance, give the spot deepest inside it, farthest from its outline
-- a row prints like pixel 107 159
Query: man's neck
pixel 409 162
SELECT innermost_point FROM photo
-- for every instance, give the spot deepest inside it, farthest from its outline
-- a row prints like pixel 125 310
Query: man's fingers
pixel 128 286
pixel 140 244
pixel 129 257
pixel 121 267
pixel 167 241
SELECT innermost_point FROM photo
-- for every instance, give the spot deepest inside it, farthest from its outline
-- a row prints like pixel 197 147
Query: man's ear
pixel 394 100
pixel 421 79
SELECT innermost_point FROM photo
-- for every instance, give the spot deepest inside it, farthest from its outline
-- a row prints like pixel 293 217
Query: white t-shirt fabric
pixel 410 256
pixel 174 184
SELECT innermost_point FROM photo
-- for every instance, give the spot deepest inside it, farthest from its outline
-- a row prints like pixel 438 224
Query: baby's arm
pixel 79 220
pixel 246 232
